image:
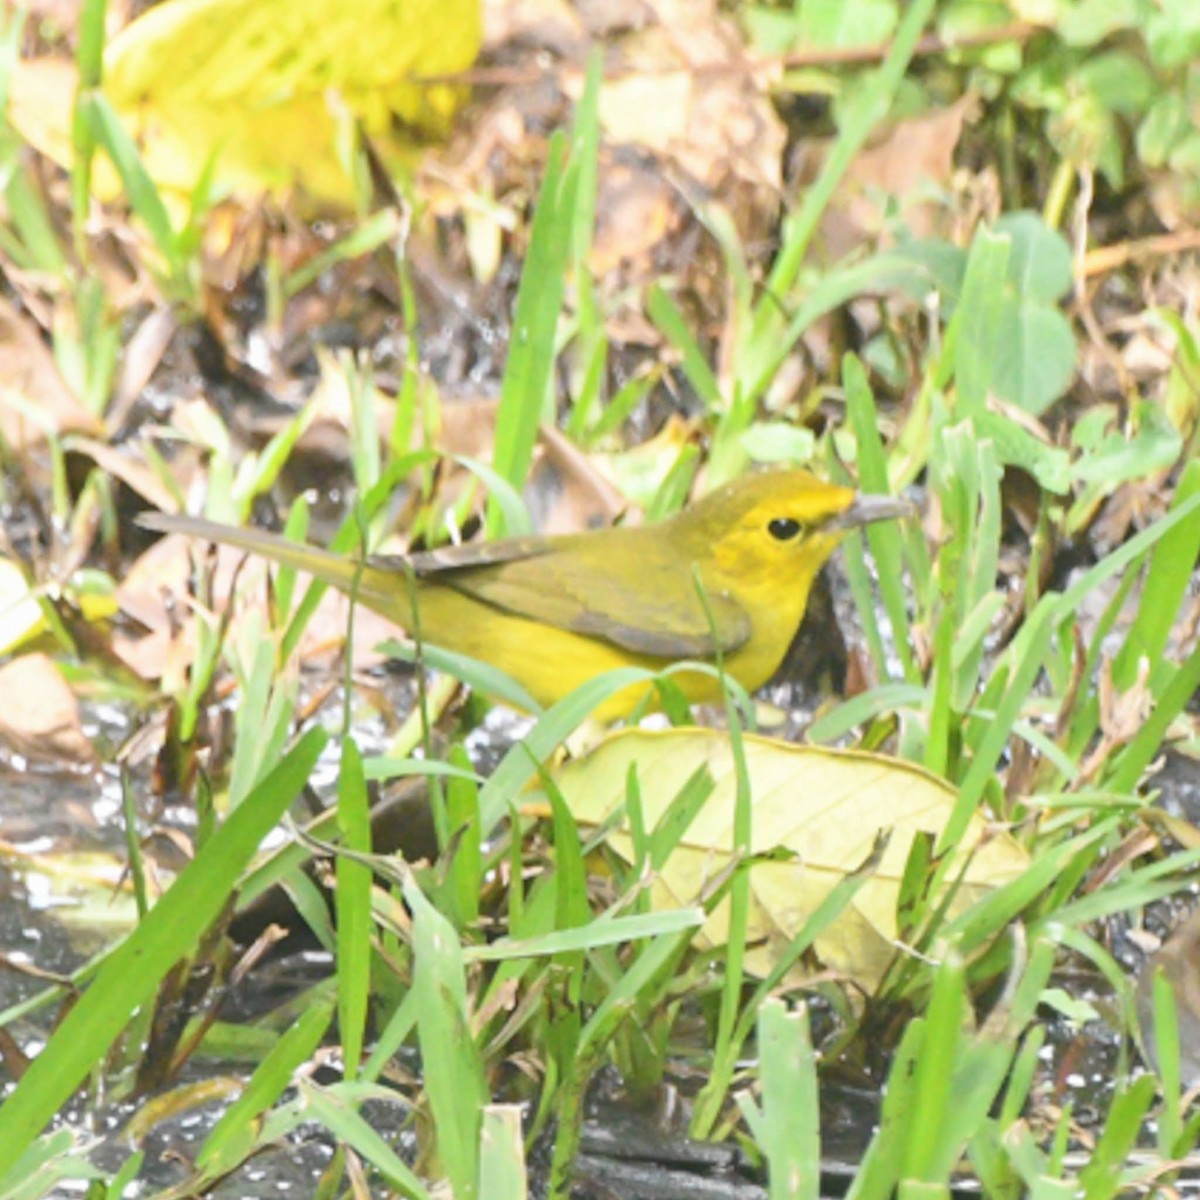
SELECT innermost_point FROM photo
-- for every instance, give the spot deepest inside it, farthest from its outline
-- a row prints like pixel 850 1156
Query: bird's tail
pixel 380 589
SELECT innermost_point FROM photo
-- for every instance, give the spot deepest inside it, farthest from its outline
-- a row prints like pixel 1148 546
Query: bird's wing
pixel 628 592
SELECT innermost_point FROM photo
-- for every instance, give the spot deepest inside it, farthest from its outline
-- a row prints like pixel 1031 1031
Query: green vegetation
pixel 535 947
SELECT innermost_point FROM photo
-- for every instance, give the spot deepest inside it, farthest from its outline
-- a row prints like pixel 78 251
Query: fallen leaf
pixel 637 209
pixel 156 593
pixel 913 158
pixel 265 91
pixel 38 713
pixel 126 463
pixel 825 806
pixel 35 402
pixel 552 25
pixel 688 91
pixel 687 119
pixel 20 614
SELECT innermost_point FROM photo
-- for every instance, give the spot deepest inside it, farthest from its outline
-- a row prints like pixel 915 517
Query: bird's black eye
pixel 783 529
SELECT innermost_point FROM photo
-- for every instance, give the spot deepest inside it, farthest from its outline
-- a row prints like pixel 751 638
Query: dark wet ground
pixel 625 1153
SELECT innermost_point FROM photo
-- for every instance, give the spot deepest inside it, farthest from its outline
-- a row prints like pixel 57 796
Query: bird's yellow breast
pixel 550 662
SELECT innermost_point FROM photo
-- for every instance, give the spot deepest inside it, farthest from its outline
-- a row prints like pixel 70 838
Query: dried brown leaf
pixel 34 399
pixel 39 716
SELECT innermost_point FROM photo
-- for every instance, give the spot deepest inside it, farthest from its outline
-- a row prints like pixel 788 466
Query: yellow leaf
pixel 20 613
pixel 21 616
pixel 826 806
pixel 268 89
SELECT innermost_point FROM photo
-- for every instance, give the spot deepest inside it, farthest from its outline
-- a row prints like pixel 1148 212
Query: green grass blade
pixel 132 972
pixel 787 1125
pixel 353 904
pixel 884 541
pixel 452 1066
pixel 502 1154
pixel 234 1132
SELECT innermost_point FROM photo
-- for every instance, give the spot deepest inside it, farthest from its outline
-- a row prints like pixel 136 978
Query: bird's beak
pixel 867 509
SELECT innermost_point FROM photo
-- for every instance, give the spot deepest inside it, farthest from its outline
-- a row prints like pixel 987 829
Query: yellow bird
pixel 553 612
